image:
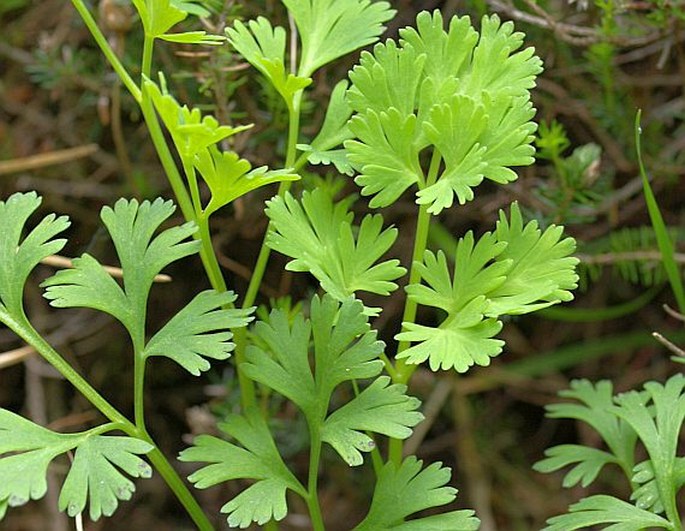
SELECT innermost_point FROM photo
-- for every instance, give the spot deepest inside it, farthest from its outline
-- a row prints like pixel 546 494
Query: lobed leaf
pixel 18 257
pixel 228 176
pixel 601 509
pixel 329 29
pixel 159 16
pixel 512 271
pixel 334 132
pixel 384 154
pixel 190 131
pixel 459 342
pixel 95 476
pixel 646 496
pixel 142 256
pixel 380 408
pixel 589 463
pixel 463 95
pixel 344 349
pixel 256 458
pixel 319 235
pixel 596 409
pixel 200 330
pixel 407 489
pixel 542 269
pixel 658 428
pixel 263 46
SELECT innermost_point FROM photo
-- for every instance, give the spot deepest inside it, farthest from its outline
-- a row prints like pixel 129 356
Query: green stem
pixel 139 391
pixel 248 395
pixel 403 371
pixel 176 484
pixel 107 50
pixel 26 331
pixel 263 258
pixel 312 483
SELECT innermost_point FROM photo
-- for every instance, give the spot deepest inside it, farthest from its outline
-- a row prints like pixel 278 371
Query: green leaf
pixel 381 408
pixel 19 256
pixel 602 509
pixel 385 155
pixel 263 46
pixel 658 428
pixel 27 449
pixel 590 462
pixel 646 496
pixel 199 331
pixel 132 227
pixel 228 176
pixel 191 132
pixel 463 95
pixel 256 458
pixel 512 271
pixel 477 139
pixel 95 474
pixel 477 271
pixel 344 349
pixel 406 489
pixel 192 7
pixel 542 272
pixel 460 341
pixel 334 132
pixel 390 78
pixel 159 16
pixel 330 29
pixel 320 237
pixel 596 409
pixel 663 238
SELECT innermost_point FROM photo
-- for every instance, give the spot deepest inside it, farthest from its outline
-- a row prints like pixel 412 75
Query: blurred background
pixel 70 131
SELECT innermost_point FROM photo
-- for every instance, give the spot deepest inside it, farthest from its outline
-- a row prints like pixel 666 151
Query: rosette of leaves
pixel 460 95
pixel 514 270
pixel 653 418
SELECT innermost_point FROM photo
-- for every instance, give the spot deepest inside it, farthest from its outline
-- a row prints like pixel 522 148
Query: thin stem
pixel 107 50
pixel 208 256
pixel 139 391
pixel 263 258
pixel 179 488
pixel 403 370
pixel 312 483
pixel 248 395
pixel 25 330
